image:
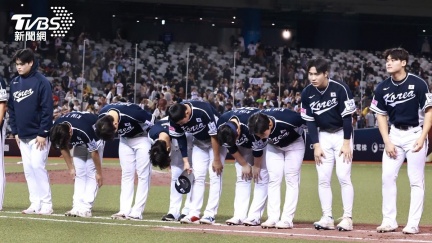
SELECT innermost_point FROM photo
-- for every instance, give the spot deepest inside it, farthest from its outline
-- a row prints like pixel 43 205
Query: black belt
pixel 404 127
pixel 331 130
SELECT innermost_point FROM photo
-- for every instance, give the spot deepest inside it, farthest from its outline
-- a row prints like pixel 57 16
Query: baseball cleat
pixel 190 220
pixel 385 228
pixel 252 222
pixel 345 225
pixel 410 230
pixel 207 220
pixel 84 214
pixel 30 211
pixel 130 217
pixel 46 211
pixel 268 224
pixel 119 216
pixel 284 225
pixel 181 217
pixel 168 217
pixel 234 221
pixel 325 223
pixel 71 213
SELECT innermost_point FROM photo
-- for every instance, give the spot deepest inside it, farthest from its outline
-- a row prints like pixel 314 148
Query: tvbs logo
pixel 59 25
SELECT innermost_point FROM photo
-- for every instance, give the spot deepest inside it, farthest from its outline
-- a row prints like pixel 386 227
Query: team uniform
pixel 134 148
pixel 243 187
pixel 179 150
pixel 326 110
pixel 3 125
pixel 285 148
pixel 84 141
pixel 202 125
pixel 400 101
pixel 30 108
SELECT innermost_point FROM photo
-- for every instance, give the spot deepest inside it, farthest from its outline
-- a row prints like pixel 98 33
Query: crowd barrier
pixel 368 146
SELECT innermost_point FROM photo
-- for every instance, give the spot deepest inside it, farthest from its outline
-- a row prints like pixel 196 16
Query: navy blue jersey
pixel 133 121
pixel 83 133
pixel 288 127
pixel 30 105
pixel 163 126
pixel 327 107
pixel 242 116
pixel 402 100
pixel 201 124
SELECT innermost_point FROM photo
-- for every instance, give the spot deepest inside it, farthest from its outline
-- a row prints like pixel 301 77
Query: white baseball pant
pixel 176 169
pixel 134 158
pixel 34 161
pixel 243 189
pixel 85 186
pixel 404 142
pixel 2 168
pixel 331 144
pixel 282 162
pixel 202 159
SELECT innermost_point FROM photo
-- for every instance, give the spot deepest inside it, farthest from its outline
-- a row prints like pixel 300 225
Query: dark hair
pixel 60 136
pixel 258 123
pixel 226 135
pixel 396 53
pixel 24 55
pixel 177 112
pixel 320 65
pixel 105 128
pixel 159 156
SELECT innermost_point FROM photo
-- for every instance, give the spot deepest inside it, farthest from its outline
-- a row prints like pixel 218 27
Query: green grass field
pixel 24 228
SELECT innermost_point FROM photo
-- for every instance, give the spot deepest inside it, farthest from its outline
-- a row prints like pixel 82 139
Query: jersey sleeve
pixel 346 102
pixel 305 110
pixel 425 97
pixel 3 92
pixel 258 146
pixel 175 130
pixel 146 119
pixel 378 104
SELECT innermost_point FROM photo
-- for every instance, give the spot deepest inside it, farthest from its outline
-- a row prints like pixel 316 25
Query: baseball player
pixel 199 118
pixel 280 132
pixel 233 134
pixel 132 124
pixel 398 98
pixel 327 106
pixel 176 154
pixel 3 125
pixel 76 128
pixel 30 107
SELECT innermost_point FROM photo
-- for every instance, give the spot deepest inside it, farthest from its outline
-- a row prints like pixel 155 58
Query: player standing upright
pixel 3 125
pixel 199 118
pixel 399 98
pixel 30 108
pixel 176 154
pixel 280 132
pixel 327 106
pixel 132 124
pixel 234 134
pixel 85 164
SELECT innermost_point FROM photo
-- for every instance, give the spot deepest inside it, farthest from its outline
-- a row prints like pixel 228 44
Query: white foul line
pixel 205 229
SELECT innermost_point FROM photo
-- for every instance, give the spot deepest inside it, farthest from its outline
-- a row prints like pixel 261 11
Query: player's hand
pixel 418 145
pixel 217 167
pixel 256 173
pixel 390 150
pixel 17 140
pixel 72 173
pixel 318 153
pixel 347 153
pixel 99 179
pixel 187 167
pixel 246 172
pixel 40 142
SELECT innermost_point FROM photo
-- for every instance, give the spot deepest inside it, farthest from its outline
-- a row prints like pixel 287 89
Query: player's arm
pixel 217 163
pixel 425 100
pixel 46 105
pixel 98 165
pixel 246 168
pixel 182 142
pixel 12 119
pixel 346 108
pixel 69 161
pixel 258 147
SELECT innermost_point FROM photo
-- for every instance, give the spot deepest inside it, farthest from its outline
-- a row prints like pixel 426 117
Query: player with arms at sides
pixel 168 152
pixel 85 163
pixel 3 125
pixel 30 108
pixel 327 107
pixel 280 132
pixel 132 124
pixel 200 118
pixel 399 98
pixel 233 133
